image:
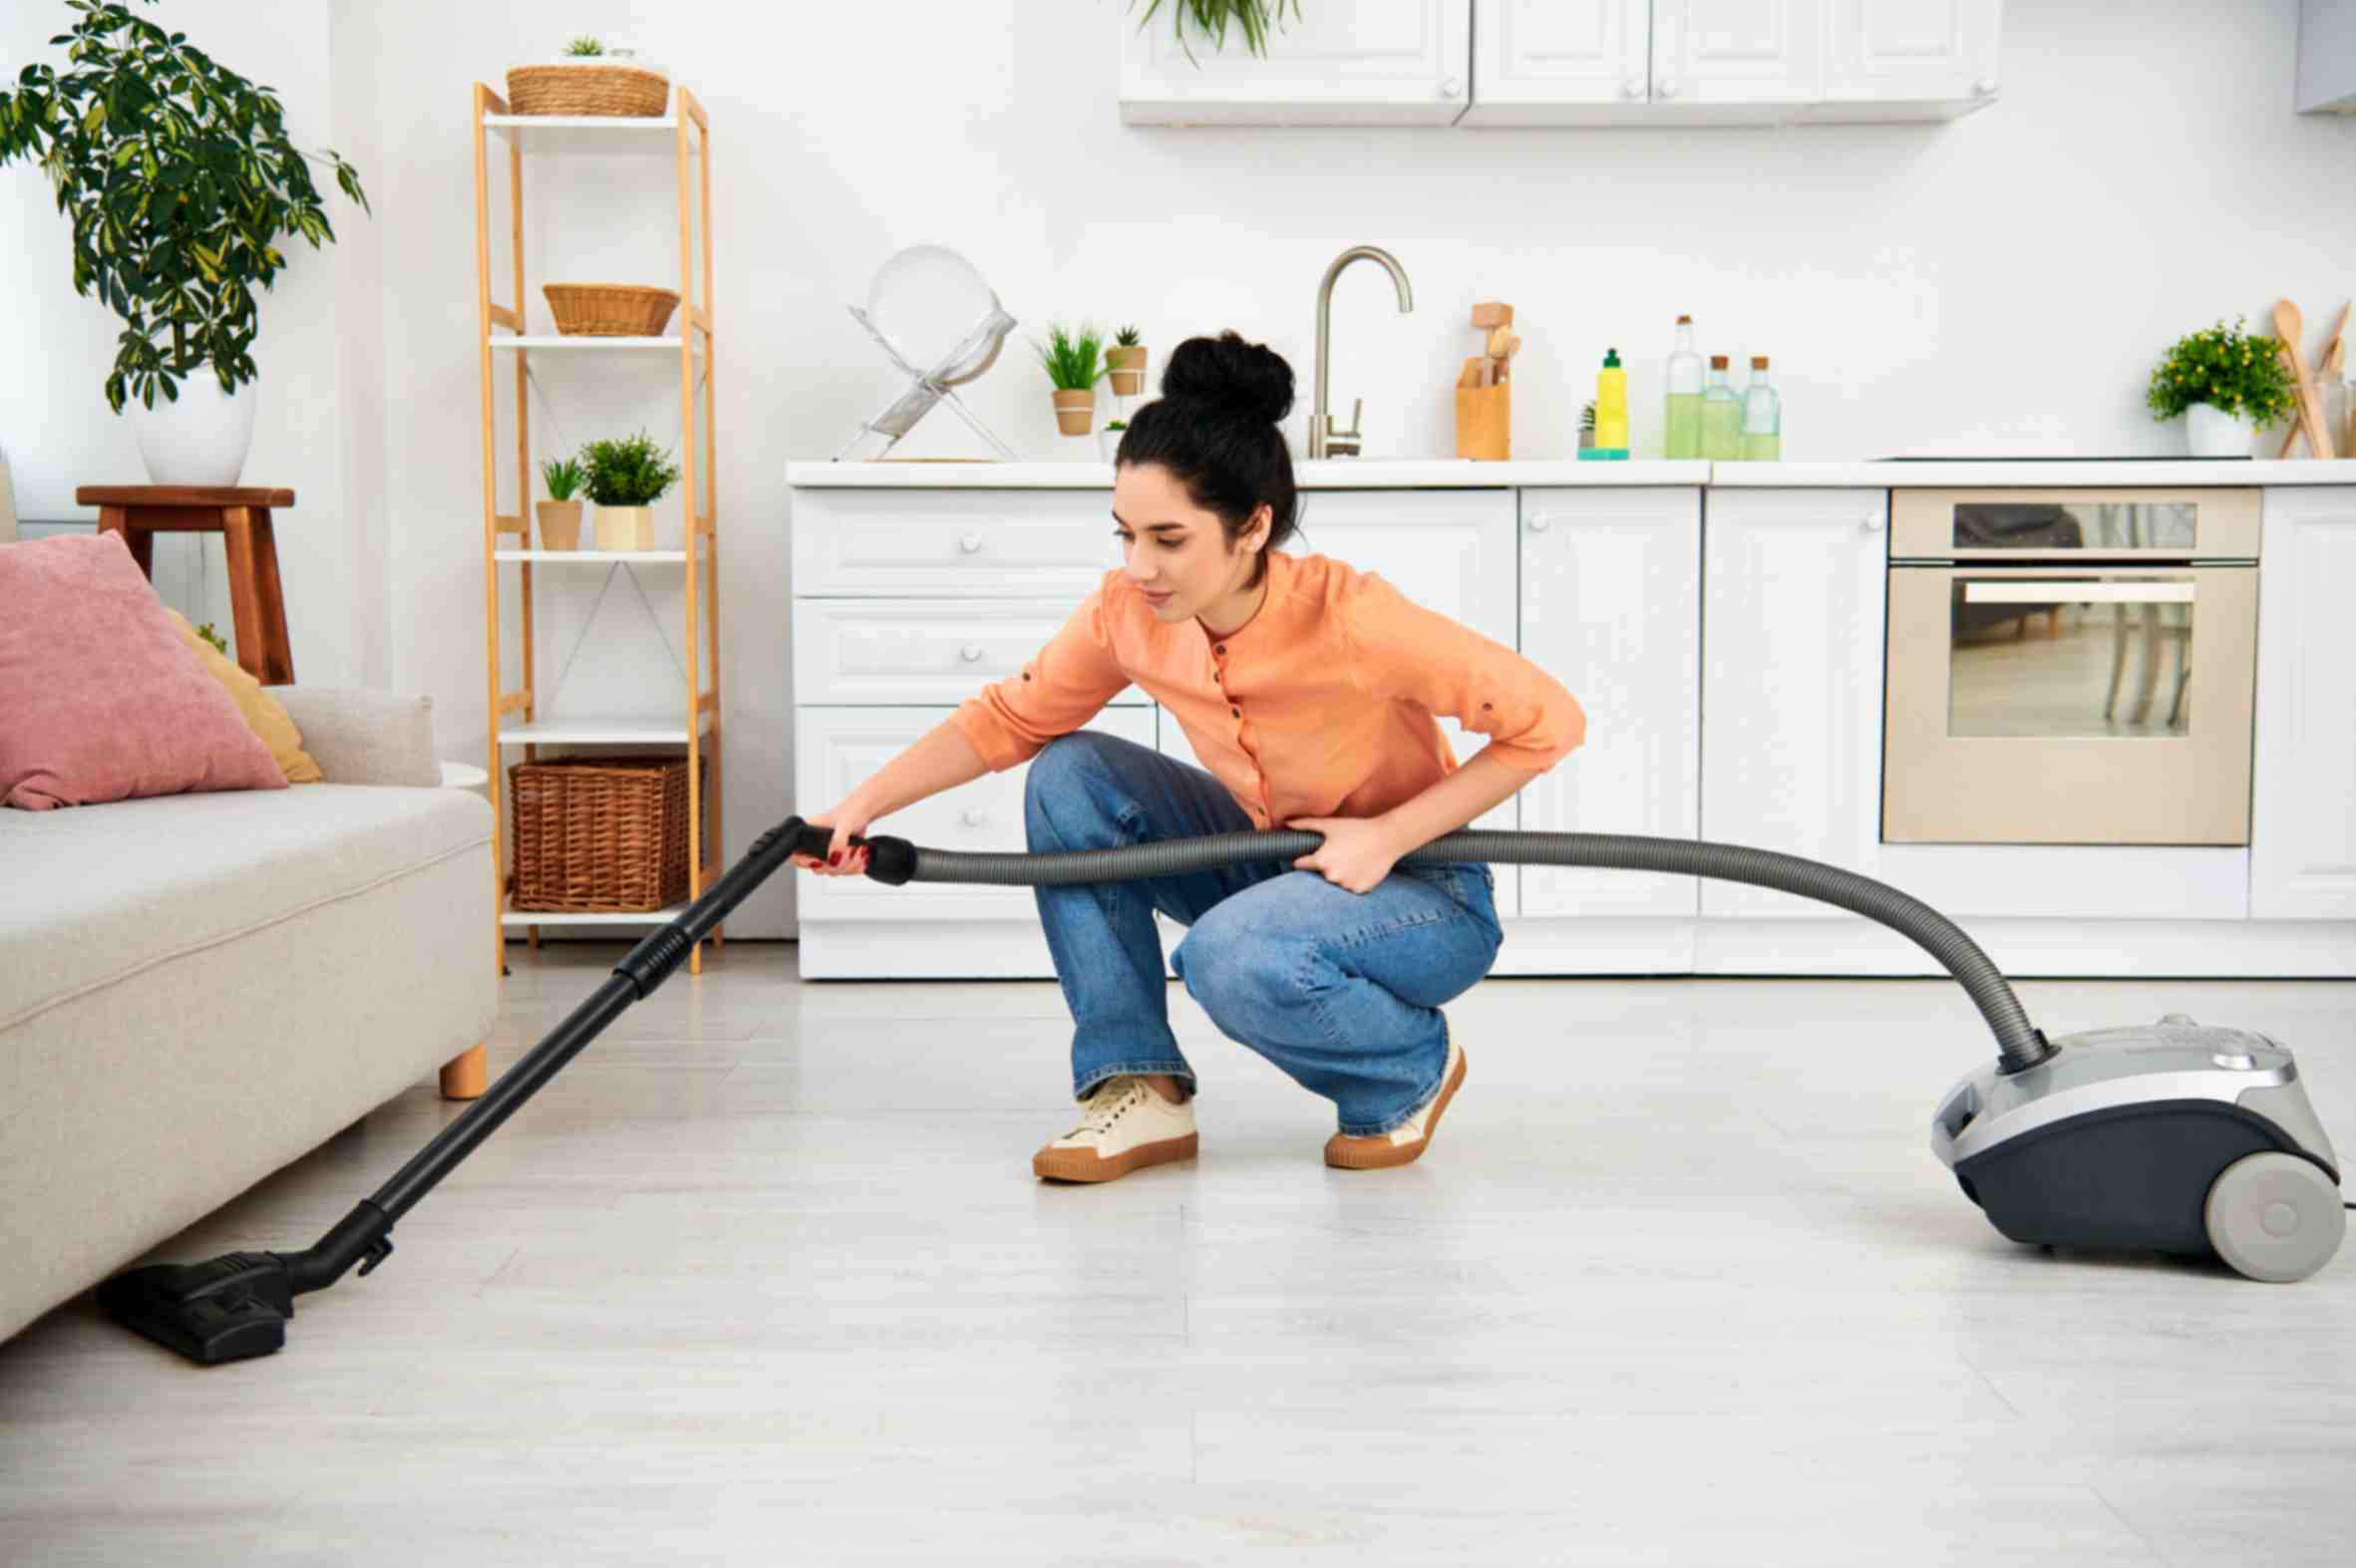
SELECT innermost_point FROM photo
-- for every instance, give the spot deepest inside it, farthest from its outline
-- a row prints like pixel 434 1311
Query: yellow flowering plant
pixel 2225 368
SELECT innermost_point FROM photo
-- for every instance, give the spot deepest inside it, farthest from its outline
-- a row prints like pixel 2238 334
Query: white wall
pixel 2002 284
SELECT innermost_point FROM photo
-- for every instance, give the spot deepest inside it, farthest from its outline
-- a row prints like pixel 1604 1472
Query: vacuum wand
pixel 237 1305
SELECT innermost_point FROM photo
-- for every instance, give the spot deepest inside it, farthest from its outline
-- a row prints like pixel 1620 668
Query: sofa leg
pixel 465 1076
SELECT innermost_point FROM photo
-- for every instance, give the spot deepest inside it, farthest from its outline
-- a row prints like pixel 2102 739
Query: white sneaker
pixel 1124 1127
pixel 1406 1143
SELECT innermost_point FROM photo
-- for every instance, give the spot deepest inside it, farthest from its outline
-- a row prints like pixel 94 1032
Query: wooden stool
pixel 243 518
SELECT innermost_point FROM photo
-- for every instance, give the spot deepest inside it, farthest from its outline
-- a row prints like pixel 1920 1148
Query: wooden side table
pixel 243 518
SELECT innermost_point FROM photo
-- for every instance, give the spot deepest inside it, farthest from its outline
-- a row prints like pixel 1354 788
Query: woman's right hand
pixel 844 858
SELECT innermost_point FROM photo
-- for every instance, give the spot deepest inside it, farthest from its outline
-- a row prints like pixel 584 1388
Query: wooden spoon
pixel 2334 352
pixel 2287 326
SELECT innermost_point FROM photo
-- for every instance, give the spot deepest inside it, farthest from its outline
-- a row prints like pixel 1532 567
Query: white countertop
pixel 1445 473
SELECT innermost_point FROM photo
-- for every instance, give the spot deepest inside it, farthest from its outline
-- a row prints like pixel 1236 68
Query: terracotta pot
pixel 1129 369
pixel 560 524
pixel 625 528
pixel 1075 412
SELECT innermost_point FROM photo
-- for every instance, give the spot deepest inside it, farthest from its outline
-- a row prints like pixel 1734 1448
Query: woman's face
pixel 1171 547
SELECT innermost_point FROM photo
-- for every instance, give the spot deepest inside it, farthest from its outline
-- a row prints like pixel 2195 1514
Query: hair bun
pixel 1248 380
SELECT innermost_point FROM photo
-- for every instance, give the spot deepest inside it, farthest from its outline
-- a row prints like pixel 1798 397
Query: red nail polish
pixel 835 860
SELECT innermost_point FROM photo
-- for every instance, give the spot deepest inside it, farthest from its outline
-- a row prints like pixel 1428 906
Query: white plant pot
pixel 1108 444
pixel 200 439
pixel 2209 432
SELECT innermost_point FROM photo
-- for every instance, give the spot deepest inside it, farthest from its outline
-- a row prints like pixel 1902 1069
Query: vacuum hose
pixel 2019 1044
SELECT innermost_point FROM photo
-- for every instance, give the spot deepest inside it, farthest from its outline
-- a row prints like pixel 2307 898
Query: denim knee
pixel 1249 972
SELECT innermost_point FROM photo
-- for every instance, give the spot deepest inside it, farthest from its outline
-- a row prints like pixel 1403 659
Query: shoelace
pixel 1111 1098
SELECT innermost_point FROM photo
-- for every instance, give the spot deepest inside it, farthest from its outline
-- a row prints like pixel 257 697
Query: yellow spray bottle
pixel 1612 409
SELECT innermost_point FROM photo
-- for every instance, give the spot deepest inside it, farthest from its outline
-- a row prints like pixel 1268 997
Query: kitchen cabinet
pixel 1612 608
pixel 2302 829
pixel 1366 62
pixel 1730 62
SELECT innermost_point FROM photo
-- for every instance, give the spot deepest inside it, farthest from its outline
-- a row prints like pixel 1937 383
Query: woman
pixel 1308 689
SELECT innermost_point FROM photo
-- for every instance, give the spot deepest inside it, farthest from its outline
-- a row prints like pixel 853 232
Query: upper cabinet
pixel 1572 62
pixel 1339 63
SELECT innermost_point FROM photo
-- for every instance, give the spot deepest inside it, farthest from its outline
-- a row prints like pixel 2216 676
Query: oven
pixel 2070 666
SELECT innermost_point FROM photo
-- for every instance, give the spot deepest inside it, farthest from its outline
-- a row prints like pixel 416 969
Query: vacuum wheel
pixel 2274 1217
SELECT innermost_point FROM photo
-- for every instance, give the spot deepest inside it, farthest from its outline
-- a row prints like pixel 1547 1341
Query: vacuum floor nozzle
pixel 229 1307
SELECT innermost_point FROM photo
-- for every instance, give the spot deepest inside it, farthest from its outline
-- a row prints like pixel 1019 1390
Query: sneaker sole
pixel 1083 1164
pixel 1402 1153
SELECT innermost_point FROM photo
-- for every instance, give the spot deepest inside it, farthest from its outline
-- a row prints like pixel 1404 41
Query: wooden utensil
pixel 2334 350
pixel 2287 326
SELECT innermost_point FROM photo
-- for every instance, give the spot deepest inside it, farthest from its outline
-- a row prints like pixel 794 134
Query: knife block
pixel 1485 423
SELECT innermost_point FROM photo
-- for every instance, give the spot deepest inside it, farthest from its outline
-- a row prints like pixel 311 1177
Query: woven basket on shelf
pixel 598 834
pixel 610 310
pixel 588 89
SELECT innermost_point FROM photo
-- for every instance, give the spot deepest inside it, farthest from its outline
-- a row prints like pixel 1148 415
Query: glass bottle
pixel 1685 395
pixel 1722 416
pixel 1763 416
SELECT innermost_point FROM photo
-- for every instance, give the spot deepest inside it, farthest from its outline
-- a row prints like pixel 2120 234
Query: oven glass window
pixel 2075 525
pixel 2079 656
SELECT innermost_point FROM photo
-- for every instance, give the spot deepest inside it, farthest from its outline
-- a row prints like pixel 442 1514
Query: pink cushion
pixel 100 698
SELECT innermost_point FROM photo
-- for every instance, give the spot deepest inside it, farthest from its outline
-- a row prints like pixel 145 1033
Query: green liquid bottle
pixel 1763 416
pixel 1685 396
pixel 1722 417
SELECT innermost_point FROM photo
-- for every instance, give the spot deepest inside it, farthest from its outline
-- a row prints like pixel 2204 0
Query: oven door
pixel 2084 525
pixel 2044 705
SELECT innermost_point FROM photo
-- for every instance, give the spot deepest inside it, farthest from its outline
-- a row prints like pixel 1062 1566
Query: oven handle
pixel 2014 590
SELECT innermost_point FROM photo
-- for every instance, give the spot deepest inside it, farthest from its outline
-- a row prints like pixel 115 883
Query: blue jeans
pixel 1340 990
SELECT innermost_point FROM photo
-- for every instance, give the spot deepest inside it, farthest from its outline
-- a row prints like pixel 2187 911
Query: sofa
pixel 196 990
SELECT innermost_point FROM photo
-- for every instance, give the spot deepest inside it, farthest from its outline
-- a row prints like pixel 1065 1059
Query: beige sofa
pixel 199 988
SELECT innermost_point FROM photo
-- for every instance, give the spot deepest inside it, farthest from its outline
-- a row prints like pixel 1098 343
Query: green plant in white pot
pixel 179 179
pixel 2226 384
pixel 626 478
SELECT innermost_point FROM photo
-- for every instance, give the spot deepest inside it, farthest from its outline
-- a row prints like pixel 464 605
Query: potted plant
pixel 1107 440
pixel 1211 18
pixel 589 79
pixel 625 477
pixel 1127 361
pixel 2226 384
pixel 560 515
pixel 178 179
pixel 1075 364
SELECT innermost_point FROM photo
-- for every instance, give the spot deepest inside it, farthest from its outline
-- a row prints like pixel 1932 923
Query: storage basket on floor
pixel 598 834
pixel 610 310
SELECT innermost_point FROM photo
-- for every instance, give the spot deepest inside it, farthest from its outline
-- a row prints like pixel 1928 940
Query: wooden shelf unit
pixel 503 345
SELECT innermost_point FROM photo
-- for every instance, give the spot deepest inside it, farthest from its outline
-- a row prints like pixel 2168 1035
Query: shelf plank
pixel 548 340
pixel 589 555
pixel 596 732
pixel 513 918
pixel 596 133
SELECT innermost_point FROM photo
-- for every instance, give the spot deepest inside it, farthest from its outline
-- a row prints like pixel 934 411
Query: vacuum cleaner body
pixel 2171 1136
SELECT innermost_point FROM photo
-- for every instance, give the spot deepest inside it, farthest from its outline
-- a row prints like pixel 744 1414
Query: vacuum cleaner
pixel 2170 1136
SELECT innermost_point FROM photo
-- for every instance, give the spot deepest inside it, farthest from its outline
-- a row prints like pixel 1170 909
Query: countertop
pixel 1444 473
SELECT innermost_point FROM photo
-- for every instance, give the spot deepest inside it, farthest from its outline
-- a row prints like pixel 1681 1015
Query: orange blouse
pixel 1321 705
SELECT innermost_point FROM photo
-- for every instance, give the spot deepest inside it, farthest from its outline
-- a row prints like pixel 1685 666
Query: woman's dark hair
pixel 1214 427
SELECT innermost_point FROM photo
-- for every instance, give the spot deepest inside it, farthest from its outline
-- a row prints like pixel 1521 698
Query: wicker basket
pixel 598 834
pixel 610 310
pixel 588 89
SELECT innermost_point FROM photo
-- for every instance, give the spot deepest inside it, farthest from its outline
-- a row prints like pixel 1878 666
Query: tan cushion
pixel 262 714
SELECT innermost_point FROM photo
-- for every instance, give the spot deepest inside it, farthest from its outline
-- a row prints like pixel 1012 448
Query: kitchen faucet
pixel 1324 440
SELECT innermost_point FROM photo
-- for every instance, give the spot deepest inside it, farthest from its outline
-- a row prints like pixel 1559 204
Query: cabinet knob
pixel 1452 87
pixel 972 818
pixel 1537 524
pixel 970 543
pixel 1869 523
pixel 1632 88
pixel 1668 86
pixel 970 652
pixel 1985 87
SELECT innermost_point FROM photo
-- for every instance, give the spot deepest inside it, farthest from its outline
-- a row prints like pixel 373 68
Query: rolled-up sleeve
pixel 1400 650
pixel 1063 686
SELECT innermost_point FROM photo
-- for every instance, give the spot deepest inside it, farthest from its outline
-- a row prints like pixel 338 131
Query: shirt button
pixel 1238 712
pixel 1221 648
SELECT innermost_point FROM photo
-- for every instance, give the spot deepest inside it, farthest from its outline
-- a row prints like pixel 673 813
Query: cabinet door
pixel 1737 52
pixel 1611 607
pixel 2302 828
pixel 1899 52
pixel 1544 62
pixel 1793 588
pixel 1366 62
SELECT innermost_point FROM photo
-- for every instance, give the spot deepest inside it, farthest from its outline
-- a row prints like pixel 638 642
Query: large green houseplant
pixel 179 179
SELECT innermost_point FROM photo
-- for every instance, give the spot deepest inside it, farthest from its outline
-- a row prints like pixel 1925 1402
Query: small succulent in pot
pixel 584 46
pixel 1074 364
pixel 1107 440
pixel 561 514
pixel 1127 361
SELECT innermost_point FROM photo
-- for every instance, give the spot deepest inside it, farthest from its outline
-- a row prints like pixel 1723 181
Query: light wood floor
pixel 764 1277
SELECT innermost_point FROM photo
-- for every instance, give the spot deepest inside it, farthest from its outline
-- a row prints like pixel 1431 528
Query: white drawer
pixel 837 747
pixel 1054 545
pixel 919 650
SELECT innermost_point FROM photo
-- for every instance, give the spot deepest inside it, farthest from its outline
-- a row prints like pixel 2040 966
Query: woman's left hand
pixel 1357 853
